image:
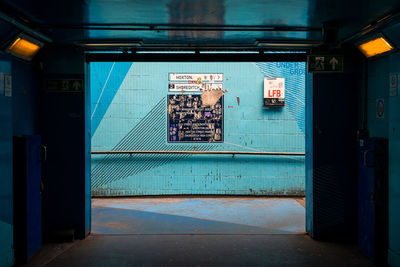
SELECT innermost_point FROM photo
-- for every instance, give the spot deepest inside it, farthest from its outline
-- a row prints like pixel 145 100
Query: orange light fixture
pixel 24 47
pixel 375 47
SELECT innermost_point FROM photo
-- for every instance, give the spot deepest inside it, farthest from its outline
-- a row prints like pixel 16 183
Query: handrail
pixel 202 152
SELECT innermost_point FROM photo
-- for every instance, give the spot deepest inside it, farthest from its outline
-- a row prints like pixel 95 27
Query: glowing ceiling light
pixel 24 47
pixel 375 47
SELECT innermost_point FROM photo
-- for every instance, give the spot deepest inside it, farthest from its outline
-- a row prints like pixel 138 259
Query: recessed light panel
pixel 375 47
pixel 24 47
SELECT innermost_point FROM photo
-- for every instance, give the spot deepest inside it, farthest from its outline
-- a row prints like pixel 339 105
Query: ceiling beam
pixel 197 57
pixel 23 27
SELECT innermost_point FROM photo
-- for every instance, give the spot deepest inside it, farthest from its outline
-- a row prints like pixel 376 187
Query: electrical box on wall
pixel 274 92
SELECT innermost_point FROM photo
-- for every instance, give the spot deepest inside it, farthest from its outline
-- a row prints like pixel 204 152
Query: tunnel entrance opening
pixel 198 147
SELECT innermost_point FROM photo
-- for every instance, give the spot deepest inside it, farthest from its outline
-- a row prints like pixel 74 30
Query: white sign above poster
pixel 196 77
pixel 194 87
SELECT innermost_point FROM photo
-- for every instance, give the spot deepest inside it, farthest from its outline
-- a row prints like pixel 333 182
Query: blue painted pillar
pixel 309 154
pixel 379 71
pixel 66 189
pixel 6 174
pixel 394 166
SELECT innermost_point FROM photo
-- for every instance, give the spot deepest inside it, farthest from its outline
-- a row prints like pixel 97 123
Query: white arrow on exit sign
pixel 333 62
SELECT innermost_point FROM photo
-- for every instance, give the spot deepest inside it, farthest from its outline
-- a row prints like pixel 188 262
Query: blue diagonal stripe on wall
pixel 105 79
pixel 148 134
pixel 295 86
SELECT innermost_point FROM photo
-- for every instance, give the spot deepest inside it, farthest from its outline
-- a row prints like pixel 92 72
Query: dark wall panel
pixel 335 119
pixel 63 132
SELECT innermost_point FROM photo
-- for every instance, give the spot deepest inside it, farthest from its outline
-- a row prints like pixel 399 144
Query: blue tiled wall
pixel 18 116
pixel 6 185
pixel 388 127
pixel 25 99
pixel 128 103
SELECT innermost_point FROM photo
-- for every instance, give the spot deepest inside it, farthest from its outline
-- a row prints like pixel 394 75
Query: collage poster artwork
pixel 192 122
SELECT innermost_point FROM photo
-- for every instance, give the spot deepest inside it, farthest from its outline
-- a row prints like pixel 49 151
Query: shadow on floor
pixel 207 215
pixel 123 221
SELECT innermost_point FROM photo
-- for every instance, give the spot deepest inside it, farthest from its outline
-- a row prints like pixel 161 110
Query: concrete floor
pixel 207 250
pixel 176 232
pixel 205 215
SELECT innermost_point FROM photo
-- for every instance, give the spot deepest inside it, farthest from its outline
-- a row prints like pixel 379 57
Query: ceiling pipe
pixel 375 25
pixel 140 45
pixel 291 44
pixel 177 27
pixel 21 26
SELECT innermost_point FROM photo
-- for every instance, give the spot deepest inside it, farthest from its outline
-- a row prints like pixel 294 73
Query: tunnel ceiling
pixel 195 21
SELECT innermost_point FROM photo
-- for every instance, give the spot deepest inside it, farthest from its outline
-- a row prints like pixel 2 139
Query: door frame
pixel 272 56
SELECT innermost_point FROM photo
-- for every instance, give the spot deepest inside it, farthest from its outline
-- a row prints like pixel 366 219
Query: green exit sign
pixel 325 63
pixel 64 85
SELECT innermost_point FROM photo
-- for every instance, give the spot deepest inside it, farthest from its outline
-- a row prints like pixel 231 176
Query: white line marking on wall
pixel 102 90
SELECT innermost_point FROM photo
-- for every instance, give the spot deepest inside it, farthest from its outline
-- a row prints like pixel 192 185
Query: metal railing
pixel 202 152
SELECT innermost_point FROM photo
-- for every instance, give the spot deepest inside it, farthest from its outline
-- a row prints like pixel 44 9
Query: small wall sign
pixel 393 84
pixel 380 108
pixel 7 85
pixel 274 92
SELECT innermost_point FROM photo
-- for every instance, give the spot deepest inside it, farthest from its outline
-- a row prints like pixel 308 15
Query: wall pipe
pixel 203 152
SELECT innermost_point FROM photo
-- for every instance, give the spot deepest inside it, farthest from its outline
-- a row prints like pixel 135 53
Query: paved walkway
pixel 198 215
pixel 207 250
pixel 198 232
